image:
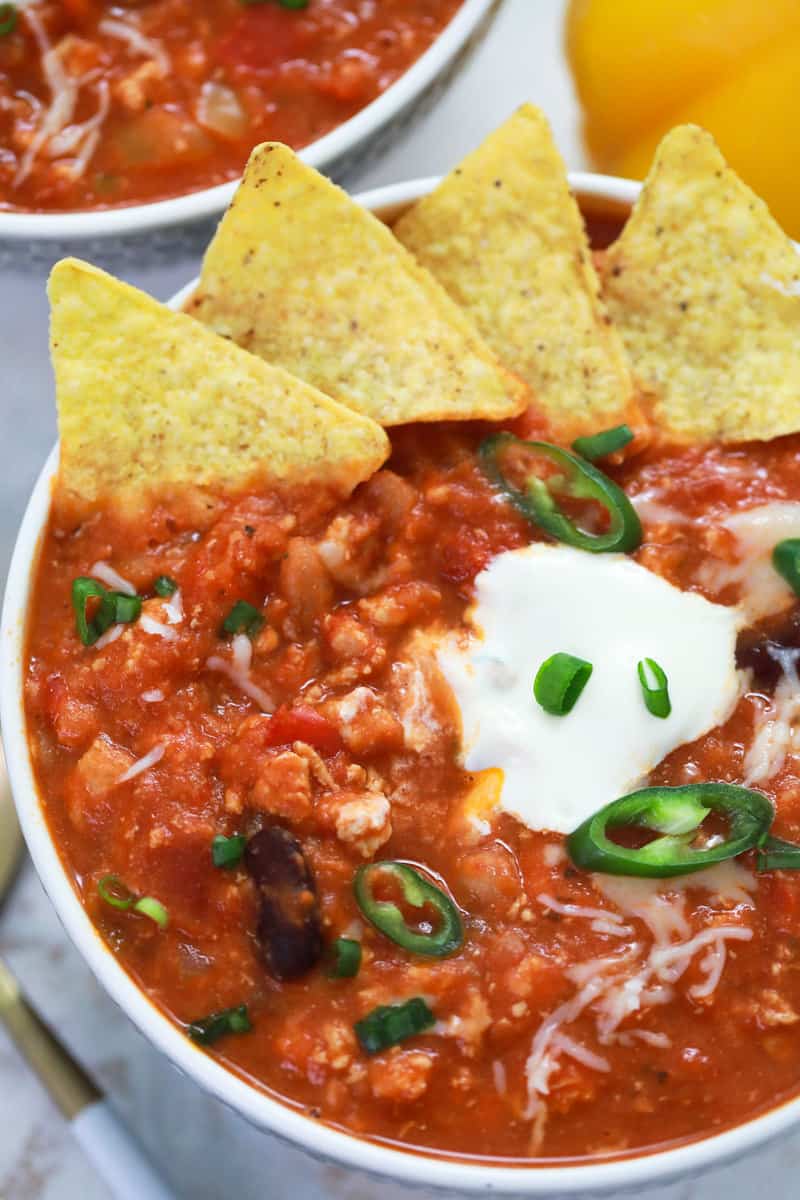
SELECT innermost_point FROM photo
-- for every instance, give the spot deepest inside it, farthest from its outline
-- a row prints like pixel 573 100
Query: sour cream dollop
pixel 604 608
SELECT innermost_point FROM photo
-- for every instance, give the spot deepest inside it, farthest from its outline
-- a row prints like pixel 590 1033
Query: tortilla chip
pixel 301 275
pixel 147 399
pixel 705 289
pixel 505 237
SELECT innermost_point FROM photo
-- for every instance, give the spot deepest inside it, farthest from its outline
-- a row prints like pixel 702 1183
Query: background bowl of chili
pixel 348 113
pixel 605 202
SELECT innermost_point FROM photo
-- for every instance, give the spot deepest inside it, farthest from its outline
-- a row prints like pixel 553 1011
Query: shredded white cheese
pixel 237 669
pixel 602 920
pixel 111 578
pixel 499 1077
pixel 173 609
pixel 55 134
pixel 616 986
pixel 136 41
pixel 143 764
pixel 656 512
pixel 109 636
pixel 152 696
pixel 777 724
pixel 757 531
pixel 157 628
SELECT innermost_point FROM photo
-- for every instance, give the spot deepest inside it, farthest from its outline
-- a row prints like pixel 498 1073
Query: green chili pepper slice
pixel 676 812
pixel 577 479
pixel 417 892
pixel 775 854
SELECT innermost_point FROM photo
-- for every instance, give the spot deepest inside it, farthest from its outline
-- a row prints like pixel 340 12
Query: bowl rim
pixel 423 1169
pixel 321 154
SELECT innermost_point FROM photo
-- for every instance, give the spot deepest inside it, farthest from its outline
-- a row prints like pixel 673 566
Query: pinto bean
pixel 289 929
pixel 305 582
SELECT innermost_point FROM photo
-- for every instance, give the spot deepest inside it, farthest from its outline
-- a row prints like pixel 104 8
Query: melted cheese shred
pixel 776 731
pixel 237 669
pixel 57 135
pixel 761 590
pixel 644 974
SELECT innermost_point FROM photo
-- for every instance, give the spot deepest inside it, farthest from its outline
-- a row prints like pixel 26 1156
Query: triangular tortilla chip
pixel 301 275
pixel 505 237
pixel 705 289
pixel 148 398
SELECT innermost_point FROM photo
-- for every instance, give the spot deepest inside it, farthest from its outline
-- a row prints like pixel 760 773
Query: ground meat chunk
pixel 97 772
pixel 400 605
pixel 355 649
pixel 350 550
pixel 283 787
pixel 774 1010
pixel 469 1023
pixel 362 820
pixel 401 1076
pixel 365 725
pixel 133 91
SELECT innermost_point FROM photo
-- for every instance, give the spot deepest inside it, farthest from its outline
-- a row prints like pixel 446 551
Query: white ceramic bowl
pixel 616 1176
pixel 368 132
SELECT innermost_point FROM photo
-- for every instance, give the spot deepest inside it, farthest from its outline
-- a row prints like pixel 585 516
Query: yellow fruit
pixel 642 66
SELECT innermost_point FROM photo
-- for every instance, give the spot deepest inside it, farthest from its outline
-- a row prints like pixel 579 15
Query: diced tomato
pixel 264 37
pixel 303 724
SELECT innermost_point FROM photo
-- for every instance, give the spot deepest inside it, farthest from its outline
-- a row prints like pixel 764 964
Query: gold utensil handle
pixel 67 1082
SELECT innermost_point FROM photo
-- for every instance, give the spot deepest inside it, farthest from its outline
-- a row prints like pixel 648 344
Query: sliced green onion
pixel 777 855
pixel 148 906
pixel 165 586
pixel 116 893
pixel 417 892
pixel 8 19
pixel 786 561
pixel 600 445
pixel 559 682
pixel 392 1023
pixel 655 687
pixel 210 1029
pixel 126 608
pixel 346 958
pixel 113 607
pixel 677 813
pixel 243 618
pixel 83 590
pixel 227 852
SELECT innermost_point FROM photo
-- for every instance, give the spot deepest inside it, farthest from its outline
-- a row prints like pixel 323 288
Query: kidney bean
pixel 289 929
